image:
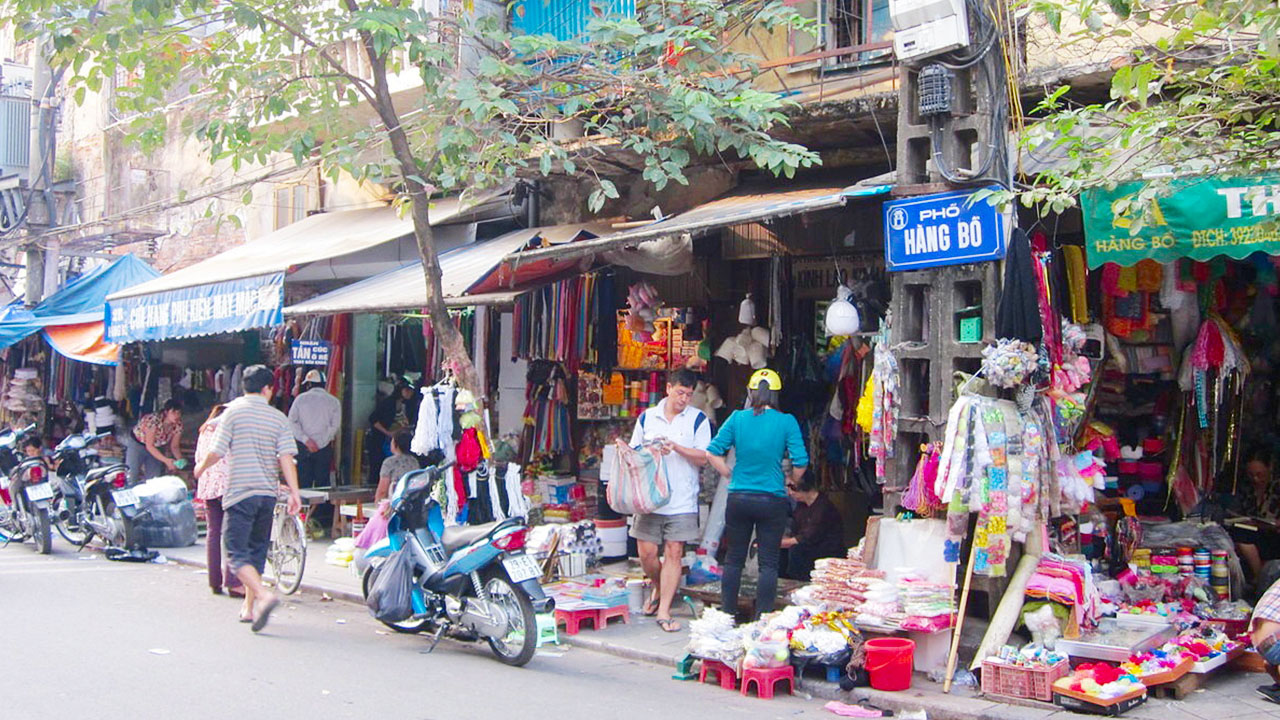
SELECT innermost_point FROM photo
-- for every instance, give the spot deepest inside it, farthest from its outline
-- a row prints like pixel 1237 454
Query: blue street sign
pixel 943 229
pixel 310 352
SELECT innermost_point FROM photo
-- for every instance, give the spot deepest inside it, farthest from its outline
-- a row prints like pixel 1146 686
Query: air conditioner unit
pixel 928 27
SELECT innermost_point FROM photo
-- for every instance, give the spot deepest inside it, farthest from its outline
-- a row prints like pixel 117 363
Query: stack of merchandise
pixel 848 584
pixel 341 552
pixel 1164 663
pixel 714 636
pixel 824 637
pixel 1031 656
pixel 928 605
pixel 1102 681
pixel 576 546
pixel 22 397
pixel 1202 643
pixel 607 592
pixel 844 582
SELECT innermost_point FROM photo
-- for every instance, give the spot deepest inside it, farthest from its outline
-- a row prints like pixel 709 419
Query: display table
pixel 709 593
pixel 348 501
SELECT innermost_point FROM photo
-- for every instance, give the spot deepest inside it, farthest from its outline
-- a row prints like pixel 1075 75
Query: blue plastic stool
pixel 547 632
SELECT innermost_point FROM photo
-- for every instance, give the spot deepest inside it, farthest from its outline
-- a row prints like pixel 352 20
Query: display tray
pixel 1080 702
pixel 1168 676
pixel 1141 621
pixel 1115 641
pixel 1212 664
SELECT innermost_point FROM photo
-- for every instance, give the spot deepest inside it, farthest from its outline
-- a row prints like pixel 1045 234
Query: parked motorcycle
pixel 26 493
pixel 470 581
pixel 110 508
pixel 73 459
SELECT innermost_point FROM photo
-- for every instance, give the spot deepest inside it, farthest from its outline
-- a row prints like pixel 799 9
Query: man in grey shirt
pixel 257 441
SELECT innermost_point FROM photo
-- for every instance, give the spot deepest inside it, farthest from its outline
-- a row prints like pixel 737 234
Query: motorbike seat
pixel 460 535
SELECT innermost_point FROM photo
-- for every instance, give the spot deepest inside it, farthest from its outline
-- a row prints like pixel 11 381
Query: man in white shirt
pixel 315 416
pixel 682 433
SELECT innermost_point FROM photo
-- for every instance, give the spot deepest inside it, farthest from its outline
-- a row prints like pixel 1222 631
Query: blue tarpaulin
pixel 83 300
pixel 219 307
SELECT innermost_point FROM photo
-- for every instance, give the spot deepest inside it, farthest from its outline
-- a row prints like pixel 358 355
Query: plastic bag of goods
pixel 341 552
pixel 771 648
pixel 714 636
pixel 166 525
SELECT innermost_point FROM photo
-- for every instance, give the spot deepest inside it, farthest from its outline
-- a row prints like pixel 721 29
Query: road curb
pixel 960 707
pixel 307 588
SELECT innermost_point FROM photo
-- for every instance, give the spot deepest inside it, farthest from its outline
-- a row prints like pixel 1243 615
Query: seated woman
pixel 1257 497
pixel 817 530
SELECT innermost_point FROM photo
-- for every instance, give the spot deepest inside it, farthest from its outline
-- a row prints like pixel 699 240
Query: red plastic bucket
pixel 889 663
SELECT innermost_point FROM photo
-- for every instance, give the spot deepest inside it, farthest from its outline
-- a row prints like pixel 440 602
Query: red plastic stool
pixel 573 618
pixel 727 676
pixel 766 679
pixel 608 614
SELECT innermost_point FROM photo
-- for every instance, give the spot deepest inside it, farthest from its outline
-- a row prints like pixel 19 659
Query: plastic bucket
pixel 889 663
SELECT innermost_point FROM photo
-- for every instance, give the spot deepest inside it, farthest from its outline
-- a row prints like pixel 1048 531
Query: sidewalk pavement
pixel 1227 694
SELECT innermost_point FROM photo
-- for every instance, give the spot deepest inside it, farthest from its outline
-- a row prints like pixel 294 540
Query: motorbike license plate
pixel 521 568
pixel 36 493
pixel 124 498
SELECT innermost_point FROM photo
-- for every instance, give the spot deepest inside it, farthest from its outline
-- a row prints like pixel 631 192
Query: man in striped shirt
pixel 257 441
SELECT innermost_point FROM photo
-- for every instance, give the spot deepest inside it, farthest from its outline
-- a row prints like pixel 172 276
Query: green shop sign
pixel 1200 219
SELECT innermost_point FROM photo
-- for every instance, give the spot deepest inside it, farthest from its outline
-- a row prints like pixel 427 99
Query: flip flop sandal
pixel 264 614
pixel 651 607
pixel 666 625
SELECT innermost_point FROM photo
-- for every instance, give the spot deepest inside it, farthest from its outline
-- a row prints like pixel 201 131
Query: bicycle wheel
pixel 289 553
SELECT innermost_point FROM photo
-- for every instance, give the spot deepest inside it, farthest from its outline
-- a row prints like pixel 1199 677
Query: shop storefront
pixel 59 371
pixel 200 326
pixel 1103 469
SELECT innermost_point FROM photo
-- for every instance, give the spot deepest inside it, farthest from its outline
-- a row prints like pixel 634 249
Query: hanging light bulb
pixel 842 318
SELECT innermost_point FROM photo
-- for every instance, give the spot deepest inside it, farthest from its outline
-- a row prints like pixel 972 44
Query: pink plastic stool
pixel 608 614
pixel 727 676
pixel 766 679
pixel 573 618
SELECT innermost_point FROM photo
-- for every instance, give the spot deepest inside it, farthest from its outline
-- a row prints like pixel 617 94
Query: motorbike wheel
pixel 43 533
pixel 72 529
pixel 10 530
pixel 108 513
pixel 517 648
pixel 408 627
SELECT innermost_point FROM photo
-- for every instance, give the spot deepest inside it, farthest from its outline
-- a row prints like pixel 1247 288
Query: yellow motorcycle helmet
pixel 765 377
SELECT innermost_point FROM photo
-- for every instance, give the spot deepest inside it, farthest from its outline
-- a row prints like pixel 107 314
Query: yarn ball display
pixel 1009 363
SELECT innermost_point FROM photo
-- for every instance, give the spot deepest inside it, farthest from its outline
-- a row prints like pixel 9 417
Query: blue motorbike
pixel 468 581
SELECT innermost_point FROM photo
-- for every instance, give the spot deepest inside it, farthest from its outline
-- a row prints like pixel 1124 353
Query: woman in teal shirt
pixel 761 437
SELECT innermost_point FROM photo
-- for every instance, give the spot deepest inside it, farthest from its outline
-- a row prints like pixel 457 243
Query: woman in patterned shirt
pixel 154 431
pixel 210 488
pixel 1257 497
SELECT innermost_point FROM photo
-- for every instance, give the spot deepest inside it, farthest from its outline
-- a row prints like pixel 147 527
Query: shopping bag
pixel 390 598
pixel 375 529
pixel 639 481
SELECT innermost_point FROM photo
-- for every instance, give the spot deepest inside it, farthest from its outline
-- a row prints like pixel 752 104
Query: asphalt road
pixel 85 637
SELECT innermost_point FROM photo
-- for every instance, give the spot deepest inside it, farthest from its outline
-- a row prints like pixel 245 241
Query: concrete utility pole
pixel 41 214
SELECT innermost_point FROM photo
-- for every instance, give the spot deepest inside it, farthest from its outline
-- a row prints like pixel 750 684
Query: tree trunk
pixel 457 358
